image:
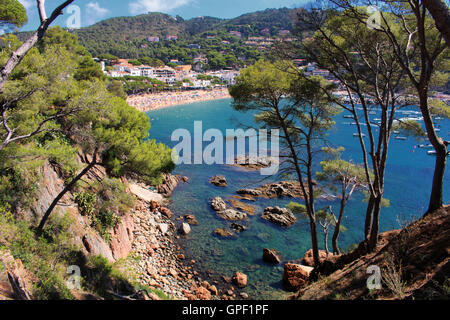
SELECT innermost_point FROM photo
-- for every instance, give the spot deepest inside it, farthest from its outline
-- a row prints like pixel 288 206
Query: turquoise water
pixel 408 183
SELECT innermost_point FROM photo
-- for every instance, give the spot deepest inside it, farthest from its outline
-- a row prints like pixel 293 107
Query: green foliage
pixel 124 131
pixel 297 208
pixel 116 88
pixel 134 62
pixel 46 257
pixel 131 42
pixel 89 70
pixel 102 276
pixel 341 171
pixel 384 202
pixel 105 205
pixel 50 286
pixel 13 12
pixel 439 108
pixel 107 56
pixel 104 221
pixel 409 127
pixel 86 201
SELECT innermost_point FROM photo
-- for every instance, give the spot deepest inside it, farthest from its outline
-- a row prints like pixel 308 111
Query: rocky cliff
pixel 414 263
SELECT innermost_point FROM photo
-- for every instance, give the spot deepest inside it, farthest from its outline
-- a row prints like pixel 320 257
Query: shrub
pixel 86 202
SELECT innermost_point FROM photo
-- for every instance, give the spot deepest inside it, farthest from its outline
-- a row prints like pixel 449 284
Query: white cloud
pixel 27 4
pixel 94 12
pixel 144 6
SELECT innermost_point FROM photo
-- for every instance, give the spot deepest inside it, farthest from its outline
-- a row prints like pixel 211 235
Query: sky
pixel 87 12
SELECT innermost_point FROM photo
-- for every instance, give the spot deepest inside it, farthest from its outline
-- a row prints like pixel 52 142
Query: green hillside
pixel 127 37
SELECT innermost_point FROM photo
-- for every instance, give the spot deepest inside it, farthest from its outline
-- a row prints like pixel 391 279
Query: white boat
pixel 357 135
pixel 348 117
pixel 425 146
pixel 431 152
pixel 400 138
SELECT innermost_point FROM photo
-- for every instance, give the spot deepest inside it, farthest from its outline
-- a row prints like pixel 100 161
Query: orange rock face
pixel 240 279
pixel 295 276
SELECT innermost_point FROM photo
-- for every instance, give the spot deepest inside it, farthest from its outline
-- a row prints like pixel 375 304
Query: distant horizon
pixel 94 11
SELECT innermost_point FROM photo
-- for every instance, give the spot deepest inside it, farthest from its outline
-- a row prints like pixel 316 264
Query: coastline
pixel 161 100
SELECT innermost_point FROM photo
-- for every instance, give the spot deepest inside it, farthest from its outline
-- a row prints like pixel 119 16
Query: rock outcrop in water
pixel 253 162
pixel 218 205
pixel 288 189
pixel 219 181
pixel 271 256
pixel 240 279
pixel 190 218
pixel 280 216
pixel 223 233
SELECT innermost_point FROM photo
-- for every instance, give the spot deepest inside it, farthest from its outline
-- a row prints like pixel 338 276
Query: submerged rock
pixel 241 206
pixel 280 216
pixel 240 279
pixel 223 233
pixel 250 192
pixel 271 256
pixel 190 218
pixel 238 227
pixel 219 181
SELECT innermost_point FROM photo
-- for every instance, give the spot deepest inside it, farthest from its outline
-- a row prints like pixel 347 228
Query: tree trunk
pixel 436 197
pixel 68 187
pixel 325 236
pixel 315 246
pixel 369 214
pixel 441 15
pixel 374 228
pixel 334 238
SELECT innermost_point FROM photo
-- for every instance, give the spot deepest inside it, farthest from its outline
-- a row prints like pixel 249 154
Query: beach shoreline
pixel 166 99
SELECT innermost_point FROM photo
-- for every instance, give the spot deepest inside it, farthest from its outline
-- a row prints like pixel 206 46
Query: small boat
pixel 425 146
pixel 396 132
pixel 431 152
pixel 348 117
pixel 400 138
pixel 357 135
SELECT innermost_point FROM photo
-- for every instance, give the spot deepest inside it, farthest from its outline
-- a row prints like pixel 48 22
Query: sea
pixel 408 181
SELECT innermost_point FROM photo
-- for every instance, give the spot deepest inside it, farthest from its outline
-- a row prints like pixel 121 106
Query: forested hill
pixel 251 24
pixel 127 37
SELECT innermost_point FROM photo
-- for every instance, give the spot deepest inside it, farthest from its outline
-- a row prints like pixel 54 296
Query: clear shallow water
pixel 408 183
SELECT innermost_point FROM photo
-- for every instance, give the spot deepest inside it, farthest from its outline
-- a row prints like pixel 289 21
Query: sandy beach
pixel 155 101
